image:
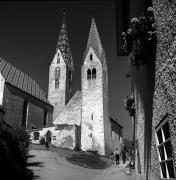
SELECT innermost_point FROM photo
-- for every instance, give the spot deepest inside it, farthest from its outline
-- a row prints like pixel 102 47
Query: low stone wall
pixel 64 136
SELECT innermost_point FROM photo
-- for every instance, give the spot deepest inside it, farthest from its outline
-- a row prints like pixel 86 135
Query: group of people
pixel 116 155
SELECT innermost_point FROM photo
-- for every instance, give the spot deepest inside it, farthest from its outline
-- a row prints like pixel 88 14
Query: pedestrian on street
pixel 117 156
pixel 123 155
pixel 47 139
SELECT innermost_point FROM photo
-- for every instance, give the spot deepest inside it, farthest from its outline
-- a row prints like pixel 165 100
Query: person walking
pixel 117 156
pixel 48 139
pixel 123 155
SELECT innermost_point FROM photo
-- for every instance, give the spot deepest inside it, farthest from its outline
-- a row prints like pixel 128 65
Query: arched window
pixel 88 74
pixel 57 75
pixel 58 59
pixel 93 73
pixel 91 57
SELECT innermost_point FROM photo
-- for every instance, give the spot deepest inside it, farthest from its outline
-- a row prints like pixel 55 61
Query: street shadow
pixel 87 161
pixel 32 165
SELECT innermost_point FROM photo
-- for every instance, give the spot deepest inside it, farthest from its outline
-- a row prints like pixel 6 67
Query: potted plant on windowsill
pixel 129 104
pixel 139 41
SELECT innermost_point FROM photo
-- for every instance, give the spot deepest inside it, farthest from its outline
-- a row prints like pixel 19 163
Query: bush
pixel 42 141
pixel 14 144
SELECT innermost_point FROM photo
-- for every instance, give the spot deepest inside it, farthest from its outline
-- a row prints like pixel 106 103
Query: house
pixel 23 101
pixel 152 73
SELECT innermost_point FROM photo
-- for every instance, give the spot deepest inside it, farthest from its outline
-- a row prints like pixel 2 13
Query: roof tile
pixel 21 80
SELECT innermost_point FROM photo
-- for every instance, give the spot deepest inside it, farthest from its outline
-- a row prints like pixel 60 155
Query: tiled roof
pixel 71 115
pixel 19 79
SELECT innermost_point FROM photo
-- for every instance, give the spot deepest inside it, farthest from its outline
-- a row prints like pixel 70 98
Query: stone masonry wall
pixel 65 137
pixel 165 89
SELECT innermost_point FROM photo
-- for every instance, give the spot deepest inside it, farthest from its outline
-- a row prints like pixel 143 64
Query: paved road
pixel 56 167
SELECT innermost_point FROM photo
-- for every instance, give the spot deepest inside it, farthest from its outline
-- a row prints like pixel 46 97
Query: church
pixel 81 120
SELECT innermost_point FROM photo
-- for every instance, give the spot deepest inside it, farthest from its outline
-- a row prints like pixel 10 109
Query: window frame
pixel 94 73
pixel 162 144
pixel 89 74
pixel 57 73
pixel 91 57
pixel 58 58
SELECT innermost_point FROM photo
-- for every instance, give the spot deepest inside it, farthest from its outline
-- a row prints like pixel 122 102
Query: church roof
pixel 71 115
pixel 63 45
pixel 94 40
pixel 22 81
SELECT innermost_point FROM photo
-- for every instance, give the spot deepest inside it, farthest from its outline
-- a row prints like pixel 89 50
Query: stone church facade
pixel 82 120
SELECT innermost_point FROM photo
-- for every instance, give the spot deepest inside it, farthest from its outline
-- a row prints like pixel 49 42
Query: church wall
pixel 13 105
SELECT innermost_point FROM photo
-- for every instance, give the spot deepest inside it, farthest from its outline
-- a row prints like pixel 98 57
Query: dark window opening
pixel 25 113
pixel 170 166
pixel 161 151
pixel 36 135
pixel 88 74
pixel 165 151
pixel 45 118
pixel 92 116
pixel 58 59
pixel 160 138
pixel 166 130
pixel 168 149
pixel 91 57
pixel 163 169
pixel 93 73
pixel 57 76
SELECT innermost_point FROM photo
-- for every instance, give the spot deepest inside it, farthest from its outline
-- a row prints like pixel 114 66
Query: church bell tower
pixel 95 127
pixel 60 73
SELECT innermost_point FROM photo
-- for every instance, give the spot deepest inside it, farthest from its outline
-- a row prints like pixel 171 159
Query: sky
pixel 28 37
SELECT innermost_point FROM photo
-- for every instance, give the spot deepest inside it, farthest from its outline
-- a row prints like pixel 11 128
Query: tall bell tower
pixel 60 73
pixel 95 126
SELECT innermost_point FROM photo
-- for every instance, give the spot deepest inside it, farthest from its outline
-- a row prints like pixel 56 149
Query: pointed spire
pixel 94 39
pixel 63 43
